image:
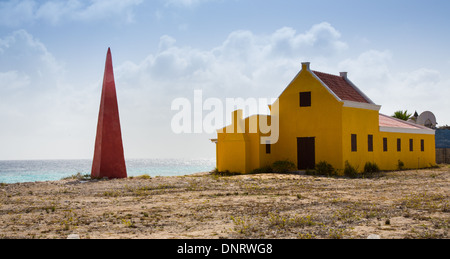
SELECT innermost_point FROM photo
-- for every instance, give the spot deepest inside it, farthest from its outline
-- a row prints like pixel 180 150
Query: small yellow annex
pixel 323 117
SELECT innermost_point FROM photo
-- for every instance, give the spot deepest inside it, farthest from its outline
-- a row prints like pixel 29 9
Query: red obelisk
pixel 109 159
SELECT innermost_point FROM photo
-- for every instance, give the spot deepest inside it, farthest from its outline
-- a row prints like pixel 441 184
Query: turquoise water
pixel 20 171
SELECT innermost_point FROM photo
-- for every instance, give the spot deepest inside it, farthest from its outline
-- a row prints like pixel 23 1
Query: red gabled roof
pixel 388 121
pixel 341 87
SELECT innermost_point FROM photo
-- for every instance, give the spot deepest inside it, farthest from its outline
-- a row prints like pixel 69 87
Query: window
pixel 411 145
pixel 354 144
pixel 370 143
pixel 268 148
pixel 385 147
pixel 399 145
pixel 422 145
pixel 305 99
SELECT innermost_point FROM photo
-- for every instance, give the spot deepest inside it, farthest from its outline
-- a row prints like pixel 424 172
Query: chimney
pixel 344 75
pixel 305 65
pixel 238 116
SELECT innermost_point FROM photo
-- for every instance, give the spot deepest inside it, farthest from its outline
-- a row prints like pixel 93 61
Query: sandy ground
pixel 394 205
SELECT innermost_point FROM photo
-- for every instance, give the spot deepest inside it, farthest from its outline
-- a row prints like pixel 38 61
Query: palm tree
pixel 402 115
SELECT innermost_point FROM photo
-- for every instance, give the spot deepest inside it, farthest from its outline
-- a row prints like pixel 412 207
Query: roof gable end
pixel 340 87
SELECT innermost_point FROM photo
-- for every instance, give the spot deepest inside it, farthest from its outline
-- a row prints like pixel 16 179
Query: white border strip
pixel 359 105
pixel 406 130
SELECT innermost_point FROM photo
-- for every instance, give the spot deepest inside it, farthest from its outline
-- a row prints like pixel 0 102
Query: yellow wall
pixel 361 122
pixel 322 120
pixel 237 151
pixel 232 152
pixel 415 159
pixel 231 147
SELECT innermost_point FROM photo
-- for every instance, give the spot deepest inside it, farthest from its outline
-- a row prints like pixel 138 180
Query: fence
pixel 443 155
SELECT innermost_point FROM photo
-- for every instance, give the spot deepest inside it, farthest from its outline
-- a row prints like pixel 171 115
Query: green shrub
pixel 78 176
pixel 142 177
pixel 324 168
pixel 216 172
pixel 400 165
pixel 263 170
pixel 370 168
pixel 350 171
pixel 283 166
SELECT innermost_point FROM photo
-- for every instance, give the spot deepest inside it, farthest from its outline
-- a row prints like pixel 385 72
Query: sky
pixel 52 57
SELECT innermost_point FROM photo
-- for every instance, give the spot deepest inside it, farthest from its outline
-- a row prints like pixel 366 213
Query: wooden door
pixel 306 152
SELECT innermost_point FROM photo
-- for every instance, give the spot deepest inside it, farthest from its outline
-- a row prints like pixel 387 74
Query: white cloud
pixel 18 12
pixel 373 66
pixel 38 109
pixel 243 64
pixel 54 11
pixel 101 9
pixel 21 53
pixel 15 12
pixel 286 43
pixel 323 37
pixel 423 78
pixel 240 58
pixel 13 80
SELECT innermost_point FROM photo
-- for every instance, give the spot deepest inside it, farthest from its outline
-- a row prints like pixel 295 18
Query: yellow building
pixel 323 117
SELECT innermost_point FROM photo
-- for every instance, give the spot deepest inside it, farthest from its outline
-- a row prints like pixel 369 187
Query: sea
pixel 21 171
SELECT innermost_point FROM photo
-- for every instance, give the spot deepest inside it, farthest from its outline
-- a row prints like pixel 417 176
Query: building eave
pixel 367 106
pixel 406 130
